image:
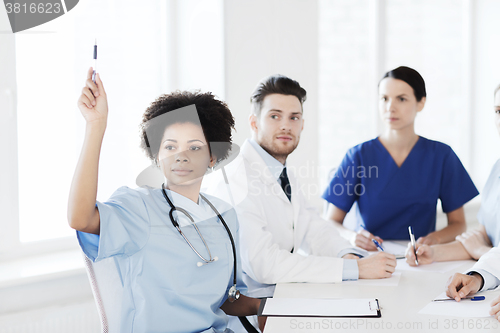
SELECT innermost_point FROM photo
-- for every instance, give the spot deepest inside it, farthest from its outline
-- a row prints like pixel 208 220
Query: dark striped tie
pixel 285 184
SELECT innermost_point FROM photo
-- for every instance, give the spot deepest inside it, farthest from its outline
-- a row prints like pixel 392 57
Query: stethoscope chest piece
pixel 233 294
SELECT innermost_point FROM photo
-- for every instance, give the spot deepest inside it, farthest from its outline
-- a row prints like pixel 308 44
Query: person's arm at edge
pixel 487 267
pixel 477 250
pixel 83 214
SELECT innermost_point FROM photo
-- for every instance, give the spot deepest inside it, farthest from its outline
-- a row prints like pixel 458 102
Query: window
pixel 448 42
pixel 144 50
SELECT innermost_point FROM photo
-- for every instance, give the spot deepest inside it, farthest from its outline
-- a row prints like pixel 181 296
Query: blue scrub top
pixel 489 213
pixel 164 289
pixel 391 198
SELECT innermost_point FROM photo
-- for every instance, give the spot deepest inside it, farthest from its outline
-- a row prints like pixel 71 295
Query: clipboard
pixel 320 307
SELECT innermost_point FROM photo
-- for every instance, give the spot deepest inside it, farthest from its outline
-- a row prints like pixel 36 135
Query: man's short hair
pixel 276 84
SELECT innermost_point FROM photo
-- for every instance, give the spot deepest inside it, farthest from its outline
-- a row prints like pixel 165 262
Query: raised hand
pixel 93 101
pixel 82 212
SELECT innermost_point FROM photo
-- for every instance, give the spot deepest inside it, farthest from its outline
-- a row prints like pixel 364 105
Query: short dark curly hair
pixel 214 116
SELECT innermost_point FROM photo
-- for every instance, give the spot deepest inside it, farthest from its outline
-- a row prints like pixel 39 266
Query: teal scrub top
pixel 164 288
pixel 391 198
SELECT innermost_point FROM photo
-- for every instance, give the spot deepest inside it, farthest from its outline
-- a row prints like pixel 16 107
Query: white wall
pixel 274 37
pixel 8 138
pixel 338 49
pixel 486 68
pixel 451 43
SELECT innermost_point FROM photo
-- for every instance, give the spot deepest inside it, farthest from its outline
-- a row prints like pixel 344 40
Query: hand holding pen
pixel 94 72
pixel 412 240
pixel 460 285
pixel 425 254
pixel 93 102
pixel 378 245
pixel 364 240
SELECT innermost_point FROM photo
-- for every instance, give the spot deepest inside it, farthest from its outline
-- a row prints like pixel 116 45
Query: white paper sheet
pixel 438 267
pixel 293 307
pixel 395 248
pixel 393 281
pixel 464 308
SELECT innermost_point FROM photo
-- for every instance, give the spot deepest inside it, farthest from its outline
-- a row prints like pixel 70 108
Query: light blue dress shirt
pixel 350 270
pixel 164 288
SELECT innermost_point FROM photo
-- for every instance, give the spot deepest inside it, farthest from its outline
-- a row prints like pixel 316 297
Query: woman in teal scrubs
pixel 397 178
pixel 168 287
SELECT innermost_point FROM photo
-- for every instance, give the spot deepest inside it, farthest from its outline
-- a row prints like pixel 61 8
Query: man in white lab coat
pixel 484 275
pixel 283 239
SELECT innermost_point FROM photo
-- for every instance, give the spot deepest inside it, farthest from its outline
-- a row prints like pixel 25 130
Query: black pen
pixel 95 61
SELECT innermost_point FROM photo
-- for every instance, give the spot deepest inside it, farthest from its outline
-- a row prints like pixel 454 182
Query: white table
pixel 400 306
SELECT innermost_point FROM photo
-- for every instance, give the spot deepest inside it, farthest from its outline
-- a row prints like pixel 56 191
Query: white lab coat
pixel 490 262
pixel 271 226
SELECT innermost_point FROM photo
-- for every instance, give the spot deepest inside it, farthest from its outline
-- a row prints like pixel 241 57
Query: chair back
pixel 108 292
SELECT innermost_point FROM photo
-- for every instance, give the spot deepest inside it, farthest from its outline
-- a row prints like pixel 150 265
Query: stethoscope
pixel 233 293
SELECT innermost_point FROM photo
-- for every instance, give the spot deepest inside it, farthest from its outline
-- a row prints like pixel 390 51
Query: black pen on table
pixel 412 240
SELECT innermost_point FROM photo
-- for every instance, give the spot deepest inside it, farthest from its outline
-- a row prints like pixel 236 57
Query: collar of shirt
pixel 275 166
pixel 199 211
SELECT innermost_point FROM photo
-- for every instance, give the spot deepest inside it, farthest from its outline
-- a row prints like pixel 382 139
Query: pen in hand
pixel 412 240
